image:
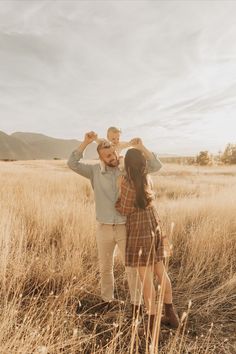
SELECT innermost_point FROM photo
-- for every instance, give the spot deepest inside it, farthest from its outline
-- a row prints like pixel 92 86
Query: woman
pixel 144 247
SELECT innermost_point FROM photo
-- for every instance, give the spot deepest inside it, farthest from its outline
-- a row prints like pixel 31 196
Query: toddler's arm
pixel 99 140
pixel 124 145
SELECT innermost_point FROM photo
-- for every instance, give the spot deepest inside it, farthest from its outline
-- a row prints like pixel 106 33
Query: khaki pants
pixel 108 236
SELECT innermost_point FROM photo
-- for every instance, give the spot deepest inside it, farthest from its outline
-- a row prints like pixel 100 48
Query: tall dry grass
pixel 49 264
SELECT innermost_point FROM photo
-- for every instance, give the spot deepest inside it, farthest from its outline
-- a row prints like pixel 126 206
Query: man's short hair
pixel 104 144
pixel 113 130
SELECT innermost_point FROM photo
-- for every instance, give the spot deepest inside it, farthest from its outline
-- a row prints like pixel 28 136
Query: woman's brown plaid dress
pixel 144 245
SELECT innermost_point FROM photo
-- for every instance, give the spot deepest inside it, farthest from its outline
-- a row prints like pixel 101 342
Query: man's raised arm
pixel 153 163
pixel 83 169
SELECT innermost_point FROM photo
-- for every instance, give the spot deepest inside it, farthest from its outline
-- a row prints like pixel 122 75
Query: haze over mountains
pixel 35 146
pixel 30 146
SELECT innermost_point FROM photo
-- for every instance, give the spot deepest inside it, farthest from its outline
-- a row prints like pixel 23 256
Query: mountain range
pixel 30 146
pixel 35 146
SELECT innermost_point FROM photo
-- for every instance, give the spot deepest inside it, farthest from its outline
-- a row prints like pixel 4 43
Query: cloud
pixel 160 69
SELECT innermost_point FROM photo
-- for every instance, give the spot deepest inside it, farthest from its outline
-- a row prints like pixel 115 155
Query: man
pixel 111 229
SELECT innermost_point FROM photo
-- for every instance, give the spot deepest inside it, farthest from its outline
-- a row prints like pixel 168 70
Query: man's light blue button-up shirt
pixel 105 186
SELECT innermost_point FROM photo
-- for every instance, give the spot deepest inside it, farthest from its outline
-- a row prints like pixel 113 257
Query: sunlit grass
pixel 49 261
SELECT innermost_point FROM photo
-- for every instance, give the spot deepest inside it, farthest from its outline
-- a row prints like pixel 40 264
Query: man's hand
pixel 137 143
pixel 90 137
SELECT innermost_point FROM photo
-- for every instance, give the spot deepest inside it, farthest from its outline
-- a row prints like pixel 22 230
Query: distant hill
pixel 29 146
pixel 14 149
pixel 34 146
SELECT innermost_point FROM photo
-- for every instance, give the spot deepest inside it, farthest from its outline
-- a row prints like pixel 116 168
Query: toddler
pixel 113 136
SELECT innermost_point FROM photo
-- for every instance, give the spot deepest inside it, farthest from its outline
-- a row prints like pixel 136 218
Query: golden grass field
pixel 49 262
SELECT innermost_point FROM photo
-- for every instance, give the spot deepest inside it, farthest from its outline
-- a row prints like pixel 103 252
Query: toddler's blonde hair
pixel 113 130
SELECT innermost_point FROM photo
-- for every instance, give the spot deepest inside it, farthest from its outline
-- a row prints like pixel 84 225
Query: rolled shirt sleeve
pixel 83 169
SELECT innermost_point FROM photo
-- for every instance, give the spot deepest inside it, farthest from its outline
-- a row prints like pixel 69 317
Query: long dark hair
pixel 135 165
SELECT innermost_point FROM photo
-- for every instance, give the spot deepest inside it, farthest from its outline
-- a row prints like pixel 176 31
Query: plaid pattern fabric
pixel 144 243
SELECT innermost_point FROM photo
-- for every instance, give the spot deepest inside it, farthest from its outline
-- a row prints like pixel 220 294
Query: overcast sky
pixel 162 70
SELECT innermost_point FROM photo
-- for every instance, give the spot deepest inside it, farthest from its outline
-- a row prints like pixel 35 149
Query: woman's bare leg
pixel 149 293
pixel 164 280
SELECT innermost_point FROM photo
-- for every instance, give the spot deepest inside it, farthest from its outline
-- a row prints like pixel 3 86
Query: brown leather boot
pixel 170 317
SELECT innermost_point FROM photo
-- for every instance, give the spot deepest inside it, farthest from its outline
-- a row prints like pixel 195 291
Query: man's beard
pixel 113 163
